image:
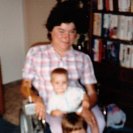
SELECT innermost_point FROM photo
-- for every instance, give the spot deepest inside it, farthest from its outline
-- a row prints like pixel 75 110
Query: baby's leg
pixel 54 123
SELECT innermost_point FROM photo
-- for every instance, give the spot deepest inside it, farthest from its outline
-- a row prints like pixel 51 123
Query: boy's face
pixel 59 82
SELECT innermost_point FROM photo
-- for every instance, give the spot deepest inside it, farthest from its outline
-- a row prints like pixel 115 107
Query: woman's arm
pixel 85 101
pixel 26 91
pixel 92 95
pixel 90 120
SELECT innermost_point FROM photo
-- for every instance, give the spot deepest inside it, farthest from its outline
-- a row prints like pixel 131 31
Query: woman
pixel 62 29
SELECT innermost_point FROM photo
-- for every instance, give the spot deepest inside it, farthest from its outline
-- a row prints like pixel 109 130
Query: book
pixel 97 24
pixel 129 35
pixel 124 5
pixel 111 5
pixel 115 5
pixel 121 27
pixel 113 26
pixel 106 25
pixel 107 5
pixel 98 50
pixel 126 55
pixel 112 52
pixel 100 4
pixel 121 55
pixel 127 61
pixel 132 56
pixel 125 27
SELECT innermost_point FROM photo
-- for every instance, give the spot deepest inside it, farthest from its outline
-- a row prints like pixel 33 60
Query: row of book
pixel 114 5
pixel 126 56
pixel 113 26
pixel 105 51
pixel 113 52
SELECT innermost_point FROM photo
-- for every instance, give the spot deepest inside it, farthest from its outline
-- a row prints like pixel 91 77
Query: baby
pixel 65 98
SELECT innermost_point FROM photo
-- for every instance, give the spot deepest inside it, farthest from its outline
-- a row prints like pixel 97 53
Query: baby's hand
pixel 57 113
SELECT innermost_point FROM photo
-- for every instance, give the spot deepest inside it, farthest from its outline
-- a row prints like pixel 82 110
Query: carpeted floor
pixel 9 122
pixel 13 101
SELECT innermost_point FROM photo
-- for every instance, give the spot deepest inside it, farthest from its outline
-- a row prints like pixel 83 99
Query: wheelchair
pixel 29 122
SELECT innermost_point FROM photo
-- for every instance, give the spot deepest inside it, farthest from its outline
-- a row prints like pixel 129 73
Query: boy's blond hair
pixel 72 122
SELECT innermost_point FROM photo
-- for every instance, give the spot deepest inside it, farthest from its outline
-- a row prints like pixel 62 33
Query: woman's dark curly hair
pixel 64 12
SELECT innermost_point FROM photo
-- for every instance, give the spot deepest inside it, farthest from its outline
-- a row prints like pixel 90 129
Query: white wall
pixel 21 24
pixel 36 13
pixel 12 50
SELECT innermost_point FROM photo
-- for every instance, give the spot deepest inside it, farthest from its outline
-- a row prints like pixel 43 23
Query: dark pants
pixel 47 128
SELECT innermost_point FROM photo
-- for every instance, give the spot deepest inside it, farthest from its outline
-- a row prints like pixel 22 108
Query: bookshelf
pixel 111 50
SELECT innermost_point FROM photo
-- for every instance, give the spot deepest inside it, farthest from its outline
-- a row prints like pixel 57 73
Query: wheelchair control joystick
pixel 29 105
pixel 29 123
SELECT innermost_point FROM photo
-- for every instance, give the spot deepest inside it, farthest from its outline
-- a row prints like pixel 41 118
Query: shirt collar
pixel 68 53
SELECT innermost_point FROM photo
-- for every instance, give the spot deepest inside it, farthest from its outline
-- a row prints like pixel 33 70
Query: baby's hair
pixel 59 71
pixel 72 122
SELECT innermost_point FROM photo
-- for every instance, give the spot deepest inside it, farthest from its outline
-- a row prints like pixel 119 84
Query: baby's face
pixel 59 82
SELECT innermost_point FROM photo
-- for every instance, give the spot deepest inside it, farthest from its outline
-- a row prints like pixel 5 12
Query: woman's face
pixel 63 37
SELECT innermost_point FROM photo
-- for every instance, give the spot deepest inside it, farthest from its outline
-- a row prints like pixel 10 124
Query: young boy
pixel 66 99
pixel 73 123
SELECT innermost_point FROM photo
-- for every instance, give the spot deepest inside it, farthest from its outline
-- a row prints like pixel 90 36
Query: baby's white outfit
pixel 69 101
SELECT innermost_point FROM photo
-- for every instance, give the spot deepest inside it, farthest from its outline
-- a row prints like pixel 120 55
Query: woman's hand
pixel 40 108
pixel 88 117
pixel 85 102
pixel 39 104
